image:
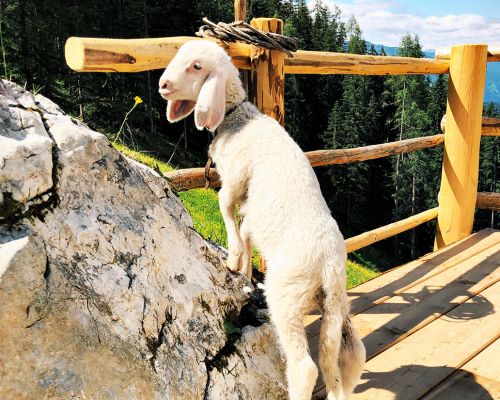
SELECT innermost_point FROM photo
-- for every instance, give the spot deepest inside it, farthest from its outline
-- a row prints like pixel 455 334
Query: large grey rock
pixel 106 290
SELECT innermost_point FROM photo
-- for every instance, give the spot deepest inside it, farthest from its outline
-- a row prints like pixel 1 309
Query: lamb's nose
pixel 165 84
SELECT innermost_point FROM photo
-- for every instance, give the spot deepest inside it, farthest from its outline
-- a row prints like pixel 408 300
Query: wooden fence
pixel 463 127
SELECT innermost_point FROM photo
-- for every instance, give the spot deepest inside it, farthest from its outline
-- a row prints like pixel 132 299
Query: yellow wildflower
pixel 138 100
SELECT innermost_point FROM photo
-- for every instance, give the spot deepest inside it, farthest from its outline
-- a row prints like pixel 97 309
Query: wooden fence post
pixel 240 10
pixel 268 73
pixel 268 78
pixel 457 196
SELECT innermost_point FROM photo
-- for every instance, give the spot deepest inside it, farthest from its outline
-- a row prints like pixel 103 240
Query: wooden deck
pixel 431 327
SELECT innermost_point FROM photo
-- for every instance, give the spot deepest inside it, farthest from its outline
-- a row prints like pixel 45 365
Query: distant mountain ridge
pixel 492 89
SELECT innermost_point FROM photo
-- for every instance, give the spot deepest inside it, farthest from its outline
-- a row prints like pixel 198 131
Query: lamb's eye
pixel 197 66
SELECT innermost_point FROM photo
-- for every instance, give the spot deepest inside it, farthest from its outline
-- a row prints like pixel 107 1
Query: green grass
pixel 357 273
pixel 203 206
pixel 142 157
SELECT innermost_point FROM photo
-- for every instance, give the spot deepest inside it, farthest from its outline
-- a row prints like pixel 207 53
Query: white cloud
pixel 384 22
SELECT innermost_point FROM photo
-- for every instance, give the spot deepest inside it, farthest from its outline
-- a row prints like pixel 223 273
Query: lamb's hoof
pixel 247 290
pixel 233 262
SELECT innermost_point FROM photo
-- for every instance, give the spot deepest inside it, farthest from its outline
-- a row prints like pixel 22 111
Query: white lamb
pixel 285 216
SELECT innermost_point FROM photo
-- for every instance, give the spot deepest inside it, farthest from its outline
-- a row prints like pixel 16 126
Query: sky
pixel 439 23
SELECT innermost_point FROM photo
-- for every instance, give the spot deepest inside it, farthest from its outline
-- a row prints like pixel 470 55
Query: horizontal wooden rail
pixel 384 232
pixel 135 55
pixel 493 53
pixel 318 62
pixel 489 126
pixel 343 156
pixel 488 201
pixel 193 178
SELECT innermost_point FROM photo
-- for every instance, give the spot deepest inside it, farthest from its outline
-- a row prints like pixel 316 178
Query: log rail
pixel 493 54
pixel 387 231
pixel 466 63
pixel 136 55
pixel 194 178
pixel 490 127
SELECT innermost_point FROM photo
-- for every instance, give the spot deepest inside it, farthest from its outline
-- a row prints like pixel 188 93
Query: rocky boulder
pixel 106 290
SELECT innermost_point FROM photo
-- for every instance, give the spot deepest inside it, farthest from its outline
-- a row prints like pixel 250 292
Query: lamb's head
pixel 201 77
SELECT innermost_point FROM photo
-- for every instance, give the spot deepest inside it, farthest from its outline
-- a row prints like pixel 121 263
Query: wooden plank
pixel 421 361
pixel 193 178
pixel 479 379
pixel 136 55
pixel 319 62
pixel 488 201
pixel 401 278
pixel 457 195
pixel 404 278
pixel 399 316
pixel 387 231
pixel 493 53
pixel 311 318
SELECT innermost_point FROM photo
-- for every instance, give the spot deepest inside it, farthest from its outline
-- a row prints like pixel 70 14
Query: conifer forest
pixel 321 112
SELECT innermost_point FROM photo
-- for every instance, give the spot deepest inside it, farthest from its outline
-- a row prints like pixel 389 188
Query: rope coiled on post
pixel 241 31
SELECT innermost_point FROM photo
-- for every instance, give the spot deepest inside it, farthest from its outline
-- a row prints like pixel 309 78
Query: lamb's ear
pixel 211 103
pixel 179 109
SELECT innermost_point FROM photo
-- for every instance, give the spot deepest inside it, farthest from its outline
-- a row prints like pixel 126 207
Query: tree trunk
pixel 80 104
pixel 148 74
pixel 398 160
pixel 25 50
pixel 413 197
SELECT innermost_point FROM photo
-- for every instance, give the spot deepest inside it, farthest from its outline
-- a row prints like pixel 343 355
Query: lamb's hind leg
pixel 246 258
pixel 227 204
pixel 286 305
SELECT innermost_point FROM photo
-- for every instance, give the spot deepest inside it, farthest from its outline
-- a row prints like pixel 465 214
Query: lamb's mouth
pixel 165 93
pixel 179 109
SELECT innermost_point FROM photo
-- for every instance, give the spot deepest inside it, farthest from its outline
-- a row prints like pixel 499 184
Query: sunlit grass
pixel 357 274
pixel 203 205
pixel 142 157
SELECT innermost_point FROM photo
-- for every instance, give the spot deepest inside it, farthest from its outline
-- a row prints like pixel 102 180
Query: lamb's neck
pixel 235 94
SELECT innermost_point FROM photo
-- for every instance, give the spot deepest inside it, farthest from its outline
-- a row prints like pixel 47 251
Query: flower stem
pixel 123 122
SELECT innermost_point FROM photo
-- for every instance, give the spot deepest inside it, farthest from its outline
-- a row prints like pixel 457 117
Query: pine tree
pixel 437 103
pixel 356 44
pixel 308 98
pixel 413 176
pixel 351 123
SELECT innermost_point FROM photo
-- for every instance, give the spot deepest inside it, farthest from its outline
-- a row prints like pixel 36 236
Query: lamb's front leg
pixel 227 204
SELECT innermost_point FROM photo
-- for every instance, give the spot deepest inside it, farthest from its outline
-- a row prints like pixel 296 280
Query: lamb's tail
pixel 342 353
pixel 352 358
